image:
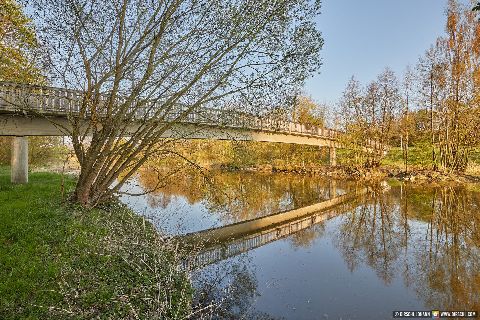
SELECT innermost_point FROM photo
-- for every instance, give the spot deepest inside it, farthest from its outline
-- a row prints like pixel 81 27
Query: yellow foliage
pixel 17 40
pixel 308 112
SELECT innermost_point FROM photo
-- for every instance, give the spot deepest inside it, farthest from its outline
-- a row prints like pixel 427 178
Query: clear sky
pixel 362 37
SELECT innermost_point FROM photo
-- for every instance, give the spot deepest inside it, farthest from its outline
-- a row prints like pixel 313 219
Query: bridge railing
pixel 237 246
pixel 42 99
pixel 16 97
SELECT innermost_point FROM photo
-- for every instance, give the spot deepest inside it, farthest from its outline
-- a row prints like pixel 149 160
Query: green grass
pixel 61 261
pixel 420 157
pixel 475 156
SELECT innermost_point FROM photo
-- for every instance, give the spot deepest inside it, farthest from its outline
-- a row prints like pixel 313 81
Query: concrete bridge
pixel 218 244
pixel 30 110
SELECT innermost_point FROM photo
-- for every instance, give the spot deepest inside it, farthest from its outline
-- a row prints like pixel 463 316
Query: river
pixel 401 247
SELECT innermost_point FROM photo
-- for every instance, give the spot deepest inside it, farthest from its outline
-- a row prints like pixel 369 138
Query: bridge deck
pixel 55 102
pixel 32 110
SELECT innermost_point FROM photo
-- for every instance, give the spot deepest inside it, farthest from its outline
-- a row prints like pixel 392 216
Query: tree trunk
pixel 82 195
pixel 432 137
pixel 406 153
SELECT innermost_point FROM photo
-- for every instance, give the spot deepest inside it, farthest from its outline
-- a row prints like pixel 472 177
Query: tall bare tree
pixel 389 104
pixel 137 62
pixel 370 113
pixel 462 54
pixel 351 102
pixel 431 72
pixel 407 92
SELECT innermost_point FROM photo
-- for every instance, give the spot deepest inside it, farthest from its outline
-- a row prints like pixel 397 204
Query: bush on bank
pixel 42 150
pixel 63 262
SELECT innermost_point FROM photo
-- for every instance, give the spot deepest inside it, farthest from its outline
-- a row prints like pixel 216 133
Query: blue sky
pixel 362 37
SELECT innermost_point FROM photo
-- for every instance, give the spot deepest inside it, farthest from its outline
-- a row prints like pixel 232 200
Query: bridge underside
pixel 12 125
pixel 21 126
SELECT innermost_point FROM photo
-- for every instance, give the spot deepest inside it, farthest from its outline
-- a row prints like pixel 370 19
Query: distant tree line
pixel 436 104
pixel 244 154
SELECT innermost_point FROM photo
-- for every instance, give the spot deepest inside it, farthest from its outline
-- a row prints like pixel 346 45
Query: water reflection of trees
pixel 428 236
pixel 451 266
pixel 237 196
pixel 431 236
pixel 227 291
pixel 369 235
pixel 305 238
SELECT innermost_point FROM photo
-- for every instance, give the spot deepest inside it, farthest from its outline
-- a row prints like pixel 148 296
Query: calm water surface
pixel 400 248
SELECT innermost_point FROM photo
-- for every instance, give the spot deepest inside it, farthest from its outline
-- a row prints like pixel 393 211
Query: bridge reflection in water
pixel 217 244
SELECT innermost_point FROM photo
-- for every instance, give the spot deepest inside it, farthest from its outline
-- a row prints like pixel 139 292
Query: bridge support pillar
pixel 333 189
pixel 19 160
pixel 333 156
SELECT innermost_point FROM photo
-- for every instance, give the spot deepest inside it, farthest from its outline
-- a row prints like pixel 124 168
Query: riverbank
pixel 61 261
pixel 415 175
pixel 391 167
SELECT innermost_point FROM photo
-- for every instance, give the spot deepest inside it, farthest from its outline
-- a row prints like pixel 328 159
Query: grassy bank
pixel 420 157
pixel 391 166
pixel 59 261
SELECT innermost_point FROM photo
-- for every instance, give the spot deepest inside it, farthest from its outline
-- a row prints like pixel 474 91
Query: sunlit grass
pixel 420 157
pixel 34 225
pixel 60 261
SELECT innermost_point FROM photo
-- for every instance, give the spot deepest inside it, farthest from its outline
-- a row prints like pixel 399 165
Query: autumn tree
pixel 143 66
pixel 449 79
pixel 461 49
pixel 18 56
pixel 17 45
pixel 308 112
pixel 369 115
pixel 446 86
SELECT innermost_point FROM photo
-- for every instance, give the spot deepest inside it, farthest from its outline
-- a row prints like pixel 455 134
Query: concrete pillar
pixel 19 163
pixel 333 189
pixel 333 156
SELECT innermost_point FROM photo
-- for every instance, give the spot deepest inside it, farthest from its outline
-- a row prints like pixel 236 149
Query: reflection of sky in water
pixel 178 216
pixel 363 264
pixel 314 282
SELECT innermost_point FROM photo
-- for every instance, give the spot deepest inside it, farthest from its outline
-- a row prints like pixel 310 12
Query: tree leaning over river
pixel 133 57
